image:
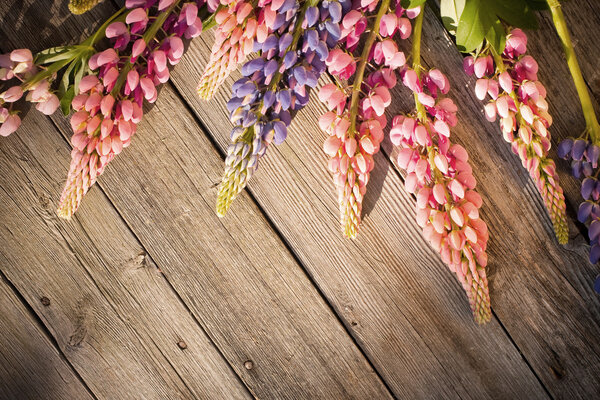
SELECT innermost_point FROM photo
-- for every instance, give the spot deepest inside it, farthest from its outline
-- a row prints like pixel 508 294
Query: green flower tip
pixel 78 7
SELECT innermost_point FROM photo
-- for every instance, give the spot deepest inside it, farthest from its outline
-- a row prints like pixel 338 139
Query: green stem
pixel 592 126
pixel 360 69
pixel 147 37
pixel 416 55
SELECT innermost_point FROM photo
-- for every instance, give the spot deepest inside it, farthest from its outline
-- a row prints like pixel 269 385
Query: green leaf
pixel 411 3
pixel 496 36
pixel 66 100
pixel 450 11
pixel 54 54
pixel 65 82
pixel 79 71
pixel 475 21
pixel 515 12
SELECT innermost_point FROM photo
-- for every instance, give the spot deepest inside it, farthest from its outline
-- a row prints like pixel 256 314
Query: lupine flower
pixel 356 119
pixel 108 107
pixel 237 29
pixel 276 83
pixel 584 164
pixel 18 66
pixel 439 175
pixel 518 99
pixel 82 6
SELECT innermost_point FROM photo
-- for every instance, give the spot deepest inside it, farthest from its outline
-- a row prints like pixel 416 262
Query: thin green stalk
pixel 592 126
pixel 416 55
pixel 362 65
pixel 147 37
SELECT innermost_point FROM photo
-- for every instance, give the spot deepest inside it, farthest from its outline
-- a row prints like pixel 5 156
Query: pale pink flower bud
pixel 136 15
pixel 480 67
pixel 505 81
pixel 388 25
pixel 87 83
pixel 116 29
pixel 148 88
pixel 163 4
pixel 10 124
pixel 12 94
pixel 439 193
pixel 493 88
pixel 106 105
pixel 138 48
pixel 490 112
pixel 404 28
pixel 49 106
pixel 108 56
pixel 527 113
pixel 481 87
pixel 331 145
pixel 441 127
pixel 133 78
pixel 21 56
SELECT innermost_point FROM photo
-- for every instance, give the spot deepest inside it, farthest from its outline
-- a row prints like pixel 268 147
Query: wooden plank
pixel 401 304
pixel 553 293
pixel 111 311
pixel 542 297
pixel 237 277
pixel 30 364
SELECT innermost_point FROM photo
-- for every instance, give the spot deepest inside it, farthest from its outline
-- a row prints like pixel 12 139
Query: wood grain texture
pixel 31 367
pixel 400 302
pixel 111 311
pixel 532 278
pixel 237 277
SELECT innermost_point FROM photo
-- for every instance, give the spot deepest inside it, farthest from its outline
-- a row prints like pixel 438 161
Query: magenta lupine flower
pixel 439 175
pixel 18 66
pixel 108 107
pixel 238 27
pixel 356 118
pixel 518 99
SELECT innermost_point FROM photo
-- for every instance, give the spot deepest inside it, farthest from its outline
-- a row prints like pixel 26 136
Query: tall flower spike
pixel 356 119
pixel 439 175
pixel 275 84
pixel 237 29
pixel 108 107
pixel 82 6
pixel 519 100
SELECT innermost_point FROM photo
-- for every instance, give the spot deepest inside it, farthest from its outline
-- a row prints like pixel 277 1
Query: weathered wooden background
pixel 147 294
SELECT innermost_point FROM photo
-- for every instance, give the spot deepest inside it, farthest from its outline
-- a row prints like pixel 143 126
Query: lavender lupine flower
pixel 519 99
pixel 441 178
pixel 584 155
pixel 238 27
pixel 275 84
pixel 109 104
pixel 82 6
pixel 19 66
pixel 356 120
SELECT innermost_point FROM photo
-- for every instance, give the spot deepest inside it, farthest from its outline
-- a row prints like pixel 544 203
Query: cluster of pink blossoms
pixel 18 65
pixel 519 100
pixel 239 24
pixel 356 120
pixel 109 104
pixel 439 174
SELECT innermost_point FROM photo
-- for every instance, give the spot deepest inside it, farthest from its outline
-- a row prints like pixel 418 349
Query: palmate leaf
pixel 411 3
pixel 482 19
pixel 450 11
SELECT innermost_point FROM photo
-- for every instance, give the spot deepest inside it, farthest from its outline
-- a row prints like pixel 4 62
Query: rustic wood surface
pixel 147 294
